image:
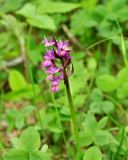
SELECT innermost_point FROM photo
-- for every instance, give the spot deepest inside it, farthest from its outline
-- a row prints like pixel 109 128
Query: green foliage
pixel 7 6
pixel 30 140
pixel 37 20
pixel 93 153
pixel 24 90
pixel 56 7
pixel 97 34
pixel 18 119
pixel 122 76
pixel 106 83
pixel 94 133
pixel 16 154
pixel 36 16
pixel 102 107
pixel 16 78
pixel 28 147
pixel 42 21
pixel 51 122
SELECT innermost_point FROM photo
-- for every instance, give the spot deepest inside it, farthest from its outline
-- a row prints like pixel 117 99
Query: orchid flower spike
pixel 56 51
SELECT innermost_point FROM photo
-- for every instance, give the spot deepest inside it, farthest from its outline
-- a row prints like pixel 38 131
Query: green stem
pixel 31 79
pixel 122 44
pixel 58 118
pixel 72 110
pixel 121 143
pixel 1 102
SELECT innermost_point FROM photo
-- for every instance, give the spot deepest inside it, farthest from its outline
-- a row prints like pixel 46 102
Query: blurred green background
pixel 97 31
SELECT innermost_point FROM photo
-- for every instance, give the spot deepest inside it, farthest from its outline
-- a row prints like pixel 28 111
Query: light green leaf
pixel 15 155
pixel 102 107
pixel 93 153
pixel 28 110
pixel 106 83
pixel 102 123
pixel 103 138
pixel 90 124
pixel 96 95
pixel 122 76
pixel 56 7
pixel 16 143
pixel 30 139
pixel 42 21
pixel 89 5
pixel 20 121
pixel 44 148
pixel 37 155
pixel 16 80
pixel 91 64
pixel 55 127
pixel 86 138
pixel 122 92
pixel 37 20
pixel 28 10
pixel 10 5
pixel 26 93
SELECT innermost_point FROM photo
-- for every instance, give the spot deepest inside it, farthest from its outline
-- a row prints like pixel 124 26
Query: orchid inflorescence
pixel 56 50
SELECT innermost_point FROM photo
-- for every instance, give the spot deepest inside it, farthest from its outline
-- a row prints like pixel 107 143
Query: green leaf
pixel 16 155
pixel 16 143
pixel 55 127
pixel 102 123
pixel 122 92
pixel 80 26
pixel 42 21
pixel 56 7
pixel 30 139
pixel 122 76
pixel 96 95
pixel 103 138
pixel 20 121
pixel 89 5
pixel 93 153
pixel 28 10
pixel 86 138
pixel 91 64
pixel 16 80
pixel 44 148
pixel 37 155
pixel 37 20
pixel 10 5
pixel 25 93
pixel 106 83
pixel 28 110
pixel 90 124
pixel 102 107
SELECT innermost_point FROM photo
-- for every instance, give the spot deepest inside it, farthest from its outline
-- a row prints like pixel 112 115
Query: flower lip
pixel 55 88
pixel 48 43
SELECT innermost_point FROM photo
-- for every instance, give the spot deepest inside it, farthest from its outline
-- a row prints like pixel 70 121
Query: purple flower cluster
pixel 56 51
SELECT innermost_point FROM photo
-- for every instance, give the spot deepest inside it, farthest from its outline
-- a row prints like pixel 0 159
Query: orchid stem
pixel 72 110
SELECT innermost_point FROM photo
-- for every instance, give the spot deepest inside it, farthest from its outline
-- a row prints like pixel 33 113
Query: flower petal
pixel 46 63
pixel 48 43
pixel 52 69
pixel 55 88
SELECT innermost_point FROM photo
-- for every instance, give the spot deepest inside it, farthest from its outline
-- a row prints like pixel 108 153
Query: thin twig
pixel 74 40
pixel 24 56
pixel 12 63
